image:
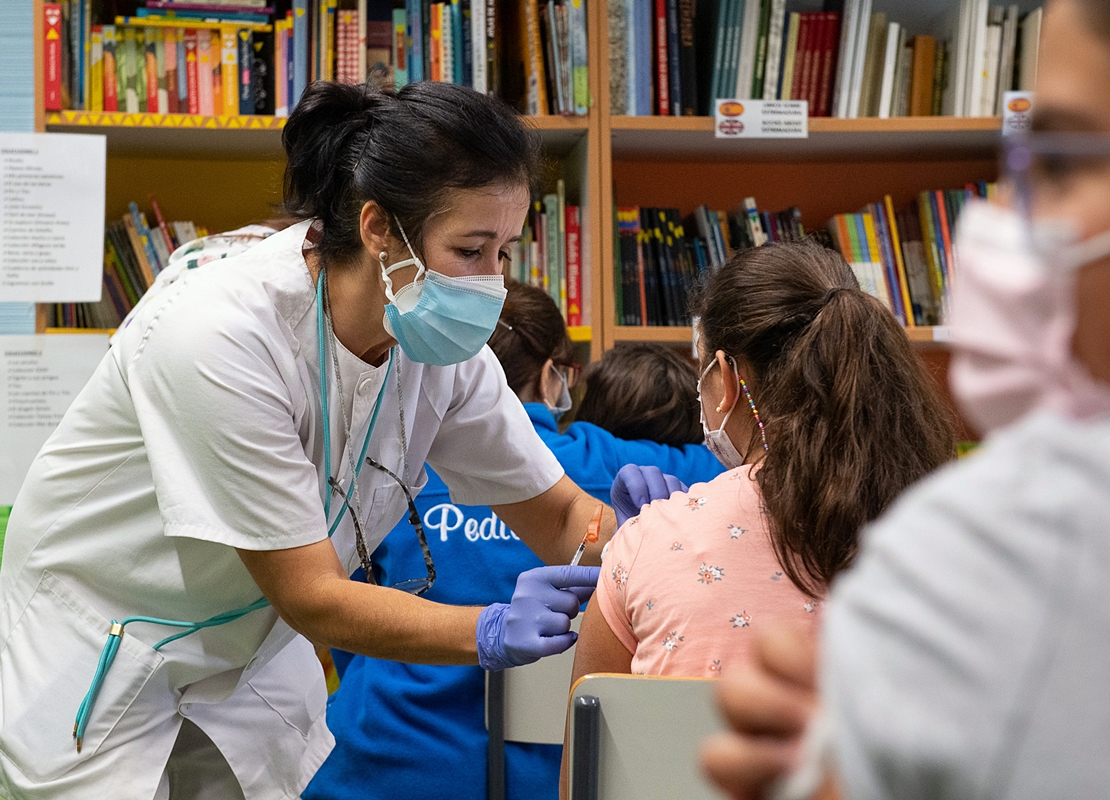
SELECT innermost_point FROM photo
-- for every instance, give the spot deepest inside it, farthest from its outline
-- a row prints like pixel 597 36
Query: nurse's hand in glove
pixel 635 487
pixel 537 621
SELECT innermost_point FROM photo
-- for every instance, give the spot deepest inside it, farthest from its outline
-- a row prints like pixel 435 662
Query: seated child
pixel 643 390
pixel 817 405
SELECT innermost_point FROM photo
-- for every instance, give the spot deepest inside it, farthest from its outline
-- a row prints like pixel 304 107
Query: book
pixel 244 62
pixel 96 69
pixel 169 69
pixel 1030 50
pixel 52 55
pixel 687 58
pixel 1007 57
pixel 922 76
pixel 192 70
pixel 776 36
pixel 579 56
pixel 749 43
pixel 662 61
pixel 826 67
pixel 111 65
pixel 891 53
pixel 759 68
pixel 574 265
pixel 786 82
pixel 216 77
pixel 535 80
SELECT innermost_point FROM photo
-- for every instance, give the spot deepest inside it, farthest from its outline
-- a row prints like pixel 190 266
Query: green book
pixel 761 50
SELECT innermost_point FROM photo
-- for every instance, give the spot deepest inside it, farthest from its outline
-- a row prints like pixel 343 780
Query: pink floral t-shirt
pixel 684 584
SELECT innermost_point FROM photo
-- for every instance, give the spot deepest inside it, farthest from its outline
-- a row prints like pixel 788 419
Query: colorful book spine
pixel 536 81
pixel 52 55
pixel 96 68
pixel 574 265
pixel 435 43
pixel 229 72
pixel 192 70
pixel 111 65
pixel 246 82
pixel 662 62
pixel 215 77
pixel 130 67
pixel 400 50
pixel 300 51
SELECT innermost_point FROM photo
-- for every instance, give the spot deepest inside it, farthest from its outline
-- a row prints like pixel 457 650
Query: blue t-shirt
pixel 418 731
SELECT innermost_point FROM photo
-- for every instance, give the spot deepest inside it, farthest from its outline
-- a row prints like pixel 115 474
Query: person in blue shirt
pixel 417 731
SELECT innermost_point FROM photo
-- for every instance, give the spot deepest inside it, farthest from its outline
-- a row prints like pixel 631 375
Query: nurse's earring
pixel 383 256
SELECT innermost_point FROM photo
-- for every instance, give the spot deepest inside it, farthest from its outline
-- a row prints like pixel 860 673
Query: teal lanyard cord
pixel 115 631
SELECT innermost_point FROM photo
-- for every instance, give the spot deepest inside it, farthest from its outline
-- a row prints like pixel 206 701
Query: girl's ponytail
pixel 851 416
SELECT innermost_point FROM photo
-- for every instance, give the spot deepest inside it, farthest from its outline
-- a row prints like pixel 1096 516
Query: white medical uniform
pixel 200 432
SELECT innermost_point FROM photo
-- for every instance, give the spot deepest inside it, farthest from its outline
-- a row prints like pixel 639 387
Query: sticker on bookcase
pixel 761 119
pixel 1017 113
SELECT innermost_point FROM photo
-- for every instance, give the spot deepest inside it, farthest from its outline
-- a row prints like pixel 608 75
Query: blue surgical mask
pixel 437 319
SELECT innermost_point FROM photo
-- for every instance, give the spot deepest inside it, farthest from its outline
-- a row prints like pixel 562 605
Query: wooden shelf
pixel 938 336
pixel 933 336
pixel 648 333
pixel 869 139
pixel 237 137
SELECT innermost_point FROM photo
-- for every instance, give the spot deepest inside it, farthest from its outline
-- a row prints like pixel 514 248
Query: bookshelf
pixel 225 171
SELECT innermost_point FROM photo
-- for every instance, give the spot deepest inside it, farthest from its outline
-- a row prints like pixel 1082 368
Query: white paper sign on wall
pixel 51 217
pixel 39 377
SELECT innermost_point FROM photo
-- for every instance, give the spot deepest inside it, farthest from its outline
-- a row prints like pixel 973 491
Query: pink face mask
pixel 1013 318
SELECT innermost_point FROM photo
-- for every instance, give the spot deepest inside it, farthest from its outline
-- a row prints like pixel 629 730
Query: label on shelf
pixel 39 377
pixel 52 218
pixel 1017 113
pixel 761 119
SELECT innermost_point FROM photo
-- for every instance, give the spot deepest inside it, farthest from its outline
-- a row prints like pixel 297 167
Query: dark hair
pixel 640 390
pixel 851 415
pixel 530 331
pixel 406 150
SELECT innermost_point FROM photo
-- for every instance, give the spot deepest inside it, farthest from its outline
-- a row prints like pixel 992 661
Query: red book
pixel 192 84
pixel 828 63
pixel 945 231
pixel 803 56
pixel 574 265
pixel 662 86
pixel 52 55
pixel 817 34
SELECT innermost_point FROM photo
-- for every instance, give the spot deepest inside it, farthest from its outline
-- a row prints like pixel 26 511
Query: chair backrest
pixel 535 698
pixel 644 738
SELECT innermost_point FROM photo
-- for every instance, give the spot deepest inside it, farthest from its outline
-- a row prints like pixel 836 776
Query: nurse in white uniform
pixel 252 434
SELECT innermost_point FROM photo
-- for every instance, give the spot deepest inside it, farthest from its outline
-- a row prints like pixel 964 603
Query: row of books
pixel 549 254
pixel 134 253
pixel 676 57
pixel 660 254
pixel 902 257
pixel 246 57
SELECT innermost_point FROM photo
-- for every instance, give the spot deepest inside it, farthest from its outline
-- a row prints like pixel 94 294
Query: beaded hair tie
pixel 755 413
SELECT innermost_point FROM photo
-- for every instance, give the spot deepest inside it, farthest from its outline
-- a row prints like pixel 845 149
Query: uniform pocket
pixel 47 666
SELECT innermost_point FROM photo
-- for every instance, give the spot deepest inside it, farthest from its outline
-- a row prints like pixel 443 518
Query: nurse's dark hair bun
pixel 407 150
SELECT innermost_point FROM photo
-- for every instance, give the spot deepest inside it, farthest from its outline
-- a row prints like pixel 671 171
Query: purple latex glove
pixel 537 621
pixel 635 487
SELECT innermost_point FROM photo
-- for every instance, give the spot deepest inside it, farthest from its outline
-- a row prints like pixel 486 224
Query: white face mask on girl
pixel 562 405
pixel 717 441
pixel 1013 318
